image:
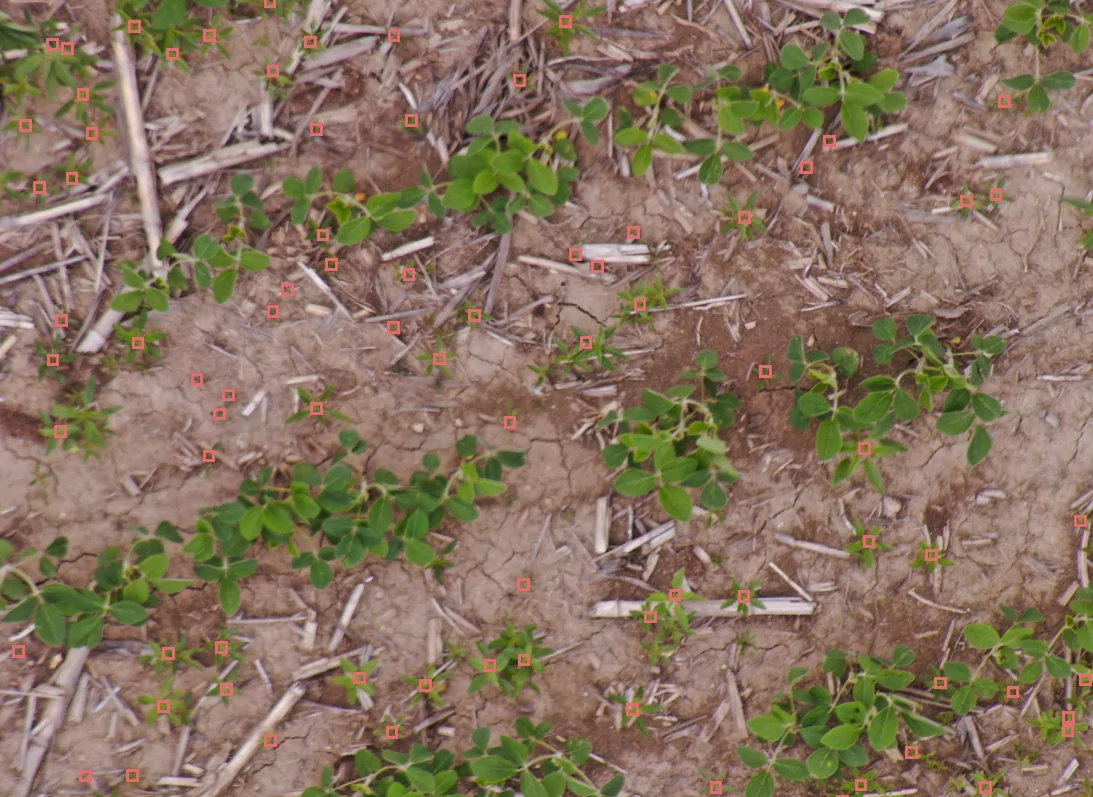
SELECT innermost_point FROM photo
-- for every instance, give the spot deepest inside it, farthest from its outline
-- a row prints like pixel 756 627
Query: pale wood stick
pixel 408 249
pixel 515 9
pixel 602 526
pixel 774 606
pixel 48 214
pixel 347 616
pixel 224 158
pixel 658 536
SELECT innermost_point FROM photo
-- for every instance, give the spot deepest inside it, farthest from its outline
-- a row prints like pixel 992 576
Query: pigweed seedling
pixel 58 373
pixel 171 662
pixel 144 290
pixel 655 296
pixel 969 784
pixel 578 12
pixel 586 354
pixel 671 442
pixel 323 415
pixel 1042 23
pixel 85 429
pixel 356 218
pixel 743 599
pixel 509 662
pixel 985 203
pixel 433 364
pixel 180 704
pixel 930 558
pixel 168 24
pixel 437 678
pixel 664 621
pixel 745 220
pixel 658 99
pixel 358 691
pixel 630 719
pixel 139 343
pixel 1085 243
pixel 865 545
pixel 243 205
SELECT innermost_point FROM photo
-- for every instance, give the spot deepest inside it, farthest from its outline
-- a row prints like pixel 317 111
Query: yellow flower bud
pixel 359 196
pixel 561 135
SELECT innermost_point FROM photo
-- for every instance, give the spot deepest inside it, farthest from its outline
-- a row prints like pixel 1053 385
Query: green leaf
pixel 313 181
pixel 882 729
pixel 531 786
pixel 228 592
pixel 666 144
pixel 852 44
pixel 964 700
pixel 128 612
pixel 418 552
pixel 1058 81
pixel 751 757
pixel 1038 101
pixel 49 626
pixel 862 94
pixel 979 446
pixel 344 182
pixel 630 137
pixel 906 408
pixel 791 769
pixel 675 500
pixel 820 96
pixel 277 519
pixel 481 125
pixel 1020 82
pixel 954 423
pixel 155 566
pixel 642 160
pixel 172 586
pixel 168 15
pixel 822 764
pixel 841 737
pixel 128 302
pixel 760 784
pixel 767 727
pixel 829 440
pixel 321 574
pixel 241 184
pixel 854 120
pixel 541 177
pixel 224 285
pixel 492 770
pixel 354 231
pixel 460 195
pixel 986 408
pixel 813 405
pixel 793 57
pixel 634 482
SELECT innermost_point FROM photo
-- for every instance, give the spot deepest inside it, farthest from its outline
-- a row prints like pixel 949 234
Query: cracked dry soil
pixel 1041 459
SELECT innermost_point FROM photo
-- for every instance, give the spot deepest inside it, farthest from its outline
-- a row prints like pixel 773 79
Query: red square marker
pixel 715 787
pixel 1004 101
pixel 633 709
pixel 18 651
pixel 509 422
pixel 869 541
pixel 410 120
pixel 967 200
pixel 330 264
pixel 910 752
pixel 390 732
pixel 440 358
pixel 220 647
pixel 269 740
pixel 273 71
pixel 53 360
pixel 409 274
pixel 766 371
pixel 860 784
pixel 269 4
pixel 941 682
pixel 133 26
pixel 163 654
pixel 1085 679
pixel 574 254
pixel 208 35
pixel 132 776
pixel 675 595
pixel 565 22
pixel 1067 730
pixel 806 167
pixel 743 217
pixel 311 42
pixel 91 133
pixel 227 394
pixel 316 129
pixel 519 81
pixel 523 584
pixel 1013 693
pixel 220 414
pixel 208 455
pixel 394 35
pixel 1069 717
pixel 197 380
pixel 53 45
pixel 474 316
pixel 995 194
pixel 172 54
pixel 84 776
pixel 38 187
pixel 650 617
pixel 60 431
pixel 986 787
pixel 163 706
pixel 227 689
pixel 865 448
pixel 489 665
pixel 322 234
pixel 425 685
pixel 138 343
pixel 1081 521
pixel 640 304
pixel 597 266
pixel 315 408
pixel 72 178
pixel 83 95
pixel 68 48
pixel 931 555
pixel 360 678
pixel 393 327
pixel 288 289
pixel 586 341
pixel 523 659
pixel 743 596
pixel 633 233
pixel 60 320
pixel 829 142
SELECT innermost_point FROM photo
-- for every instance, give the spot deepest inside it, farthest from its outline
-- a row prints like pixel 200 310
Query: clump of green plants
pixel 356 217
pixel 634 709
pixel 525 761
pixel 747 223
pixel 124 587
pixel 355 680
pixel 243 205
pixel 140 343
pixel 323 415
pixel 437 678
pixel 509 662
pixel 179 704
pixel 1085 243
pixel 144 291
pixel 78 426
pixel 665 621
pixel 930 558
pixel 578 13
pixel 225 259
pixel 984 203
pixel 655 296
pixel 671 442
pixel 587 353
pixel 865 545
pixel 1043 23
pixel 856 436
pixel 173 24
pixel 658 100
pixel 338 512
pixel 60 372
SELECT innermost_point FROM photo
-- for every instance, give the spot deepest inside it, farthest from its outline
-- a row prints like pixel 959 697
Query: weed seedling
pixel 180 704
pixel 578 12
pixel 139 342
pixel 436 678
pixel 1085 243
pixel 58 373
pixel 587 353
pixel 1042 23
pixel 635 717
pixel 747 223
pixel 671 442
pixel 358 690
pixel 865 545
pixel 930 558
pixel 169 663
pixel 322 415
pixel 665 622
pixel 169 24
pixel 509 662
pixel 653 295
pixel 985 203
pixel 86 428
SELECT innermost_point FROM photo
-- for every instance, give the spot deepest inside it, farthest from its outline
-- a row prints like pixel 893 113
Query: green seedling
pixel 58 373
pixel 145 291
pixel 665 621
pixel 578 12
pixel 857 436
pixel 344 514
pixel 1085 243
pixel 356 218
pixel 210 257
pixel 437 678
pixel 171 24
pixel 174 659
pixel 508 663
pixel 985 203
pixel 743 599
pixel 745 220
pixel 318 408
pixel 930 558
pixel 355 679
pixel 1042 24
pixel 179 704
pixel 655 296
pixel 526 762
pixel 435 362
pixel 123 588
pixel 970 784
pixel 587 353
pixel 78 426
pixel 671 442
pixel 865 545
pixel 658 100
pixel 634 709
pixel 139 342
pixel 243 205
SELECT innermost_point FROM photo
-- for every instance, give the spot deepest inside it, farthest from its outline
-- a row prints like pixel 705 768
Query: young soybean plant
pixel 1042 23
pixel 670 443
pixel 357 217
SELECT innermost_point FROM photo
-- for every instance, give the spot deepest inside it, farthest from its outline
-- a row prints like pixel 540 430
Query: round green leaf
pixel 954 423
pixel 842 737
pixel 964 700
pixel 128 612
pixel 829 440
pixel 635 483
pixel 541 177
pixel 1038 101
pixel 793 57
pixel 854 120
pixel 492 770
pixel 460 195
pixel 979 446
pixel 761 784
pixel 642 160
pixel 791 769
pixel 882 729
pixel 676 502
pixel 1058 81
pixel 49 626
pixel 986 408
pixel 813 405
pixel 354 231
pixel 224 285
pixel 229 595
pixel 822 764
pixel 906 407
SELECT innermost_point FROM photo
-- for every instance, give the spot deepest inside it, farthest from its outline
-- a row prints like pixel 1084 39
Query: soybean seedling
pixel 1085 243
pixel 578 12
pixel 665 621
pixel 585 354
pixel 747 223
pixel 357 217
pixel 139 342
pixel 243 205
pixel 865 545
pixel 322 414
pixel 225 259
pixel 658 100
pixel 358 691
pixel 671 442
pixel 1042 23
pixel 509 662
pixel 85 428
pixel 144 291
